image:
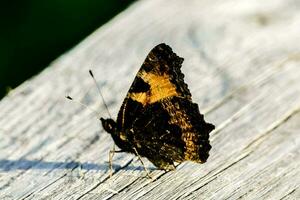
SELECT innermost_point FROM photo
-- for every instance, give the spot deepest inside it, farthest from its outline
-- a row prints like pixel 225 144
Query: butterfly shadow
pixel 24 164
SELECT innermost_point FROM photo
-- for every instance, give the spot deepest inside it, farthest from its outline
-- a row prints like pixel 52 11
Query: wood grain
pixel 242 66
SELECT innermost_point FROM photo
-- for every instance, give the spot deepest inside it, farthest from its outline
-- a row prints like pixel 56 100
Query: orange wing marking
pixel 160 88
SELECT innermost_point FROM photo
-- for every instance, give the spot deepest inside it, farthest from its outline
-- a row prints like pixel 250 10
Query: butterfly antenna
pixel 98 88
pixel 97 114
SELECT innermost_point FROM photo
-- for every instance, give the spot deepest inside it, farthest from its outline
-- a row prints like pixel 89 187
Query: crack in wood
pixel 92 141
pixel 103 181
pixel 289 193
pixel 272 127
pixel 215 175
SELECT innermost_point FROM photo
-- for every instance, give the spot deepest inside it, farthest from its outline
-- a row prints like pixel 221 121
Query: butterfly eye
pixel 108 124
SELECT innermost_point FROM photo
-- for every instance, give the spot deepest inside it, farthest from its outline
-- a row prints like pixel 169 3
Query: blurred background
pixel 34 33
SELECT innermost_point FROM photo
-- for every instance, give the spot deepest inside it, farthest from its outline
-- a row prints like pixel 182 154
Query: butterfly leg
pixel 147 171
pixel 110 157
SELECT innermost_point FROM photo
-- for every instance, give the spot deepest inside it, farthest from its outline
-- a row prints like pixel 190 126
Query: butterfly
pixel 158 119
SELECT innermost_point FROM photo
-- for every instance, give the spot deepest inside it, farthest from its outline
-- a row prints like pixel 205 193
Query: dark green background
pixel 34 32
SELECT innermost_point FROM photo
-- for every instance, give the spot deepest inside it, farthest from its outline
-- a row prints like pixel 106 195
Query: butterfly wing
pixel 158 115
pixel 172 130
pixel 156 80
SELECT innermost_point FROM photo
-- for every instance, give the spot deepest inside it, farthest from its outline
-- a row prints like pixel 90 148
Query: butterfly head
pixel 109 125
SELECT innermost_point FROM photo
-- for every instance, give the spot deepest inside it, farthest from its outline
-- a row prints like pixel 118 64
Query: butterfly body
pixel 158 119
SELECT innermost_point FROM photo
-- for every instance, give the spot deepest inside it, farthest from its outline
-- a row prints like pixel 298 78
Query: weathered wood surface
pixel 242 65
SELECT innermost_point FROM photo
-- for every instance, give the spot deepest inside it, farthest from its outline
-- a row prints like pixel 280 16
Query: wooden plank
pixel 242 66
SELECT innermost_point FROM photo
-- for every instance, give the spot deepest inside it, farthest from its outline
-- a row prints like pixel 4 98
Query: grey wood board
pixel 242 67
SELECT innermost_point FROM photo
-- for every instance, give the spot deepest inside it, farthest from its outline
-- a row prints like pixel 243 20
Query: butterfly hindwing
pixel 172 130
